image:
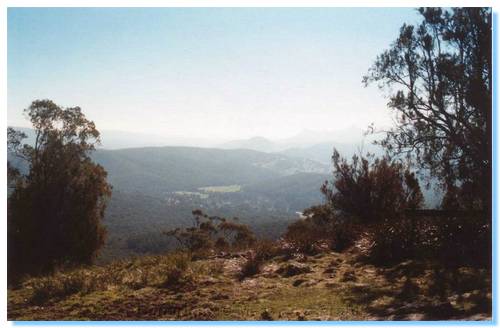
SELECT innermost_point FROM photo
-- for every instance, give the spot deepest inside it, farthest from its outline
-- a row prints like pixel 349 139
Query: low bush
pixel 460 241
pixel 452 241
pixel 166 271
pixel 320 228
pixel 59 286
pixel 371 190
pixel 212 233
pixel 343 235
pixel 303 235
pixel 251 266
pixel 262 251
pixel 267 249
pixel 393 241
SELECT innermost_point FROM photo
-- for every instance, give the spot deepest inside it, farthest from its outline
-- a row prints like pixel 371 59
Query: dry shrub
pixel 320 228
pixel 343 235
pixel 465 241
pixel 211 233
pixel 251 266
pixel 373 193
pixel 302 235
pixel 372 190
pixel 392 242
pixel 167 271
pixel 267 249
pixel 55 288
pixel 263 251
pixel 211 268
pixel 452 241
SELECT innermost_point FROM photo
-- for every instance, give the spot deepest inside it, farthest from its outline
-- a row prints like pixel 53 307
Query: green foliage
pixel 364 194
pixel 439 74
pixel 371 192
pixel 55 211
pixel 210 232
pixel 320 227
pixel 13 176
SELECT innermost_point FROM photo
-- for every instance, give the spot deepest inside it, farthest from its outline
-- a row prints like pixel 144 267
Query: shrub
pixel 212 232
pixel 267 249
pixel 302 235
pixel 58 287
pixel 453 241
pixel 463 240
pixel 320 227
pixel 221 244
pixel 251 266
pixel 239 235
pixel 343 235
pixel 392 242
pixel 262 251
pixel 371 192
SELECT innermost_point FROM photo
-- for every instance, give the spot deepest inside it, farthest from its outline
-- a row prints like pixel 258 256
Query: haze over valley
pixel 267 184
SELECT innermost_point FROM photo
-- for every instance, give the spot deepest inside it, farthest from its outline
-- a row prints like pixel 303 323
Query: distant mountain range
pixel 305 139
pixel 320 152
pixel 169 169
pixel 314 145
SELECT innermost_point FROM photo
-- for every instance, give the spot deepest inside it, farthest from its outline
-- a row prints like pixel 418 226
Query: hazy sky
pixel 216 73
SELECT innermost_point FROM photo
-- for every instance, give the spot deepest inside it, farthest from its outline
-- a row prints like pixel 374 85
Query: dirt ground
pixel 331 286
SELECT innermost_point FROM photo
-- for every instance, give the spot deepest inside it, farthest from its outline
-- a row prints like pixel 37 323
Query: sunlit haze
pixel 213 74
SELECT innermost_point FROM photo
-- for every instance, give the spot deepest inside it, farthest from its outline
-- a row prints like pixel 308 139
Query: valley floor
pixel 338 287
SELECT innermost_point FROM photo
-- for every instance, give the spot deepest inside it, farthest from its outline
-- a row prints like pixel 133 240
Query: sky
pixel 214 73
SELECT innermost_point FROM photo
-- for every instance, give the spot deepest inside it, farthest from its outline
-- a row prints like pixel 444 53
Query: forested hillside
pixel 156 188
pixel 169 169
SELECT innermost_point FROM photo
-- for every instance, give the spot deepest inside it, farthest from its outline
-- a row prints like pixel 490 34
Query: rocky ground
pixel 328 286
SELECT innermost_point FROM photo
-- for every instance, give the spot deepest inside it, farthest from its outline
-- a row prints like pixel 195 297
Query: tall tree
pixel 439 74
pixel 55 210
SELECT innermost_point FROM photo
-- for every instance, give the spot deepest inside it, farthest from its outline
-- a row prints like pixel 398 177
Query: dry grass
pixel 155 271
pixel 337 287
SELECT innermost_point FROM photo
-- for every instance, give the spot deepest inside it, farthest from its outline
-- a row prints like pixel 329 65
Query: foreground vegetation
pixel 326 286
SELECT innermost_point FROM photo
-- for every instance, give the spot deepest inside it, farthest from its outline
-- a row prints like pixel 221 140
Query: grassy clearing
pixel 221 189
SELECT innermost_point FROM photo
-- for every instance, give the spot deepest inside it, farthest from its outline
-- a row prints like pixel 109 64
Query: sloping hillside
pixel 166 169
pixel 328 286
pixel 156 188
pixel 296 192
